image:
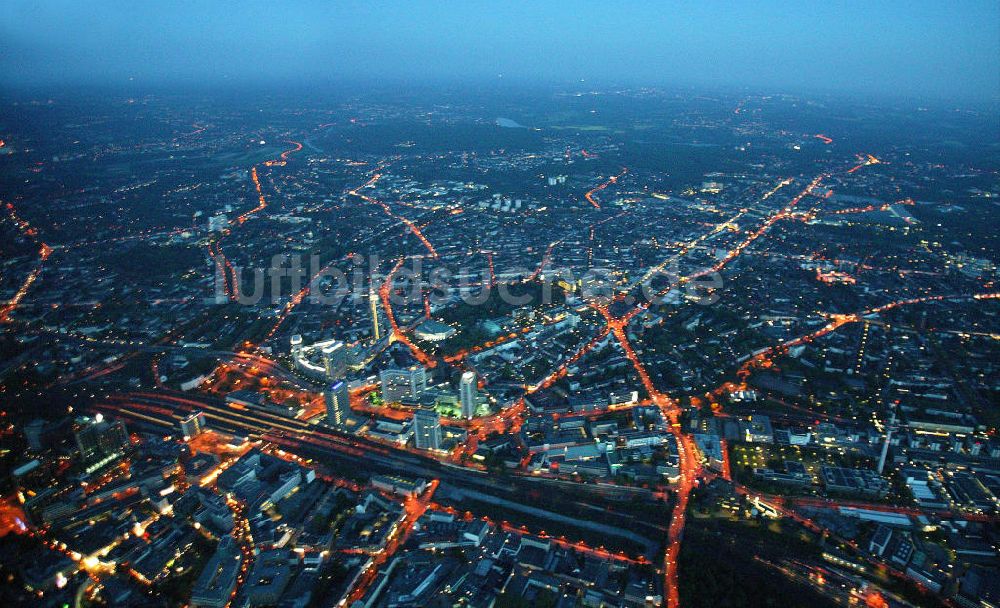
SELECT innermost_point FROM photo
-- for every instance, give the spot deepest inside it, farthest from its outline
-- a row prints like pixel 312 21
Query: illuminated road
pixel 733 254
pixel 613 179
pixel 413 509
pixel 493 272
pixel 255 178
pixel 685 249
pixel 762 357
pixel 44 251
pixel 224 270
pixel 311 284
pixel 546 258
pixel 462 354
pixel 577 546
pixel 397 333
pixel 409 223
pixel 224 267
pixel 865 161
pixel 870 208
pixel 560 371
pixel 43 254
pixel 296 434
pixel 261 201
pixel 283 159
pixel 690 467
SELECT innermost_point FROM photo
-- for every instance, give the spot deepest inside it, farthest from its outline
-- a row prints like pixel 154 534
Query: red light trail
pixel 865 160
pixel 261 201
pixel 762 357
pixel 785 212
pixel 231 277
pixel 44 251
pixel 611 180
pixel 690 468
pixel 546 258
pixel 488 344
pixel 870 208
pixel 409 223
pixel 397 333
pixel 283 159
pixel 489 262
pixel 224 269
pixel 578 546
pixel 413 509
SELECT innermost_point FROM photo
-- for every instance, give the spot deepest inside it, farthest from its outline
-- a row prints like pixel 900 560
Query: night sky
pixel 945 50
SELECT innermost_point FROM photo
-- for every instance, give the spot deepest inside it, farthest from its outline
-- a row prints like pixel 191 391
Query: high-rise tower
pixel 467 394
pixel 338 403
pixel 373 311
pixel 427 430
pixel 888 437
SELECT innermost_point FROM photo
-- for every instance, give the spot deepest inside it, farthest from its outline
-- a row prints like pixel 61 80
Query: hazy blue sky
pixel 941 49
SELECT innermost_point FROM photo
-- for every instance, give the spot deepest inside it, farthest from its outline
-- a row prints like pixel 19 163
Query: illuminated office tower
pixel 193 425
pixel 100 441
pixel 427 430
pixel 338 403
pixel 467 394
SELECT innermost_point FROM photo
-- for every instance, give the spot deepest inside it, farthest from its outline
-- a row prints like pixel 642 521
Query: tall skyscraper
pixel 193 425
pixel 296 345
pixel 335 360
pixel 338 403
pixel 427 430
pixel 467 394
pixel 99 440
pixel 373 311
